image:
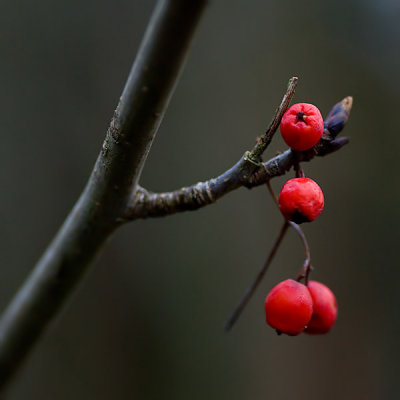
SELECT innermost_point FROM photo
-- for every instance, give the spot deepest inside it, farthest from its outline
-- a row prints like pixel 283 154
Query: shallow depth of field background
pixel 147 322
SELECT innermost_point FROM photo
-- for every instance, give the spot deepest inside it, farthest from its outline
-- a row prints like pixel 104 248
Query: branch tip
pixel 266 138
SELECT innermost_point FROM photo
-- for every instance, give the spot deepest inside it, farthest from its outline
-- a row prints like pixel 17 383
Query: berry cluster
pixel 292 307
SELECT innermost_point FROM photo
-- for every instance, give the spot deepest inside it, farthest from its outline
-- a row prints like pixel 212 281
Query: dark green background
pixel 147 321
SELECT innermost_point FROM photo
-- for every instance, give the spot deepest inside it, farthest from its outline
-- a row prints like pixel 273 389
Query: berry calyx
pixel 324 308
pixel 301 200
pixel 302 126
pixel 288 307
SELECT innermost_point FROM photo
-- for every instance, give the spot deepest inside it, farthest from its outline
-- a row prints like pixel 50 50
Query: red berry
pixel 301 200
pixel 288 307
pixel 325 308
pixel 302 126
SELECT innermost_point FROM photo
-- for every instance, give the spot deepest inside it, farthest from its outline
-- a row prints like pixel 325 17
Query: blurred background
pixel 147 322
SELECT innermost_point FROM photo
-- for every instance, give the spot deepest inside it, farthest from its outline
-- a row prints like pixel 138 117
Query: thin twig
pixel 264 141
pixel 305 271
pixel 307 267
pixel 251 289
pixel 249 171
pixel 296 166
pixel 146 204
pixel 272 193
pixel 303 238
pixel 98 211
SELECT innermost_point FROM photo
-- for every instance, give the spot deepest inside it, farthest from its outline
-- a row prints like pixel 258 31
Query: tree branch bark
pixel 247 172
pixel 112 195
pixel 98 211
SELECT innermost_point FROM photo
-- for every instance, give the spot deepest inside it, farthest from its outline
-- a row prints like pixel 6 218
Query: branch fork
pixel 113 195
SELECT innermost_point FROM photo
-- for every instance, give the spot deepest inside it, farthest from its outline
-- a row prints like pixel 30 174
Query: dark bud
pixel 332 146
pixel 338 116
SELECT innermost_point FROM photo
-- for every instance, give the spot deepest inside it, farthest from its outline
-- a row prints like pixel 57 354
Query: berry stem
pixel 296 165
pixel 303 238
pixel 299 171
pixel 272 193
pixel 251 289
pixel 305 271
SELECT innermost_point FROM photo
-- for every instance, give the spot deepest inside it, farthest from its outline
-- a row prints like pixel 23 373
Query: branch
pixel 264 141
pixel 246 172
pixel 98 211
pixel 147 204
pixel 112 195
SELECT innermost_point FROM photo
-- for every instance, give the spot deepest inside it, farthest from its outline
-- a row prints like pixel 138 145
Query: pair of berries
pixel 301 199
pixel 291 308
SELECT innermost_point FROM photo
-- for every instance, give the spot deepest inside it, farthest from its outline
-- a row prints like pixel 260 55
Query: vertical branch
pixel 98 211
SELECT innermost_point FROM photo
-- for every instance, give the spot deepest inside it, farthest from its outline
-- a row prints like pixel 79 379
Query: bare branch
pixel 266 139
pixel 246 172
pixel 146 204
pixel 98 211
pixel 112 195
pixel 282 163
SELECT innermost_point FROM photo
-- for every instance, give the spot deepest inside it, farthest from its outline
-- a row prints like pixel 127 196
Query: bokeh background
pixel 147 322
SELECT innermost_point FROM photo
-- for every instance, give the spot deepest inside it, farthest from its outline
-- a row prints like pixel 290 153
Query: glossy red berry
pixel 288 307
pixel 302 126
pixel 324 308
pixel 301 200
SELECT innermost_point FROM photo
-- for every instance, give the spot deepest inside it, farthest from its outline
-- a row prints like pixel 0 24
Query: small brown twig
pixel 248 171
pixel 251 289
pixel 272 193
pixel 145 204
pixel 305 271
pixel 266 138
